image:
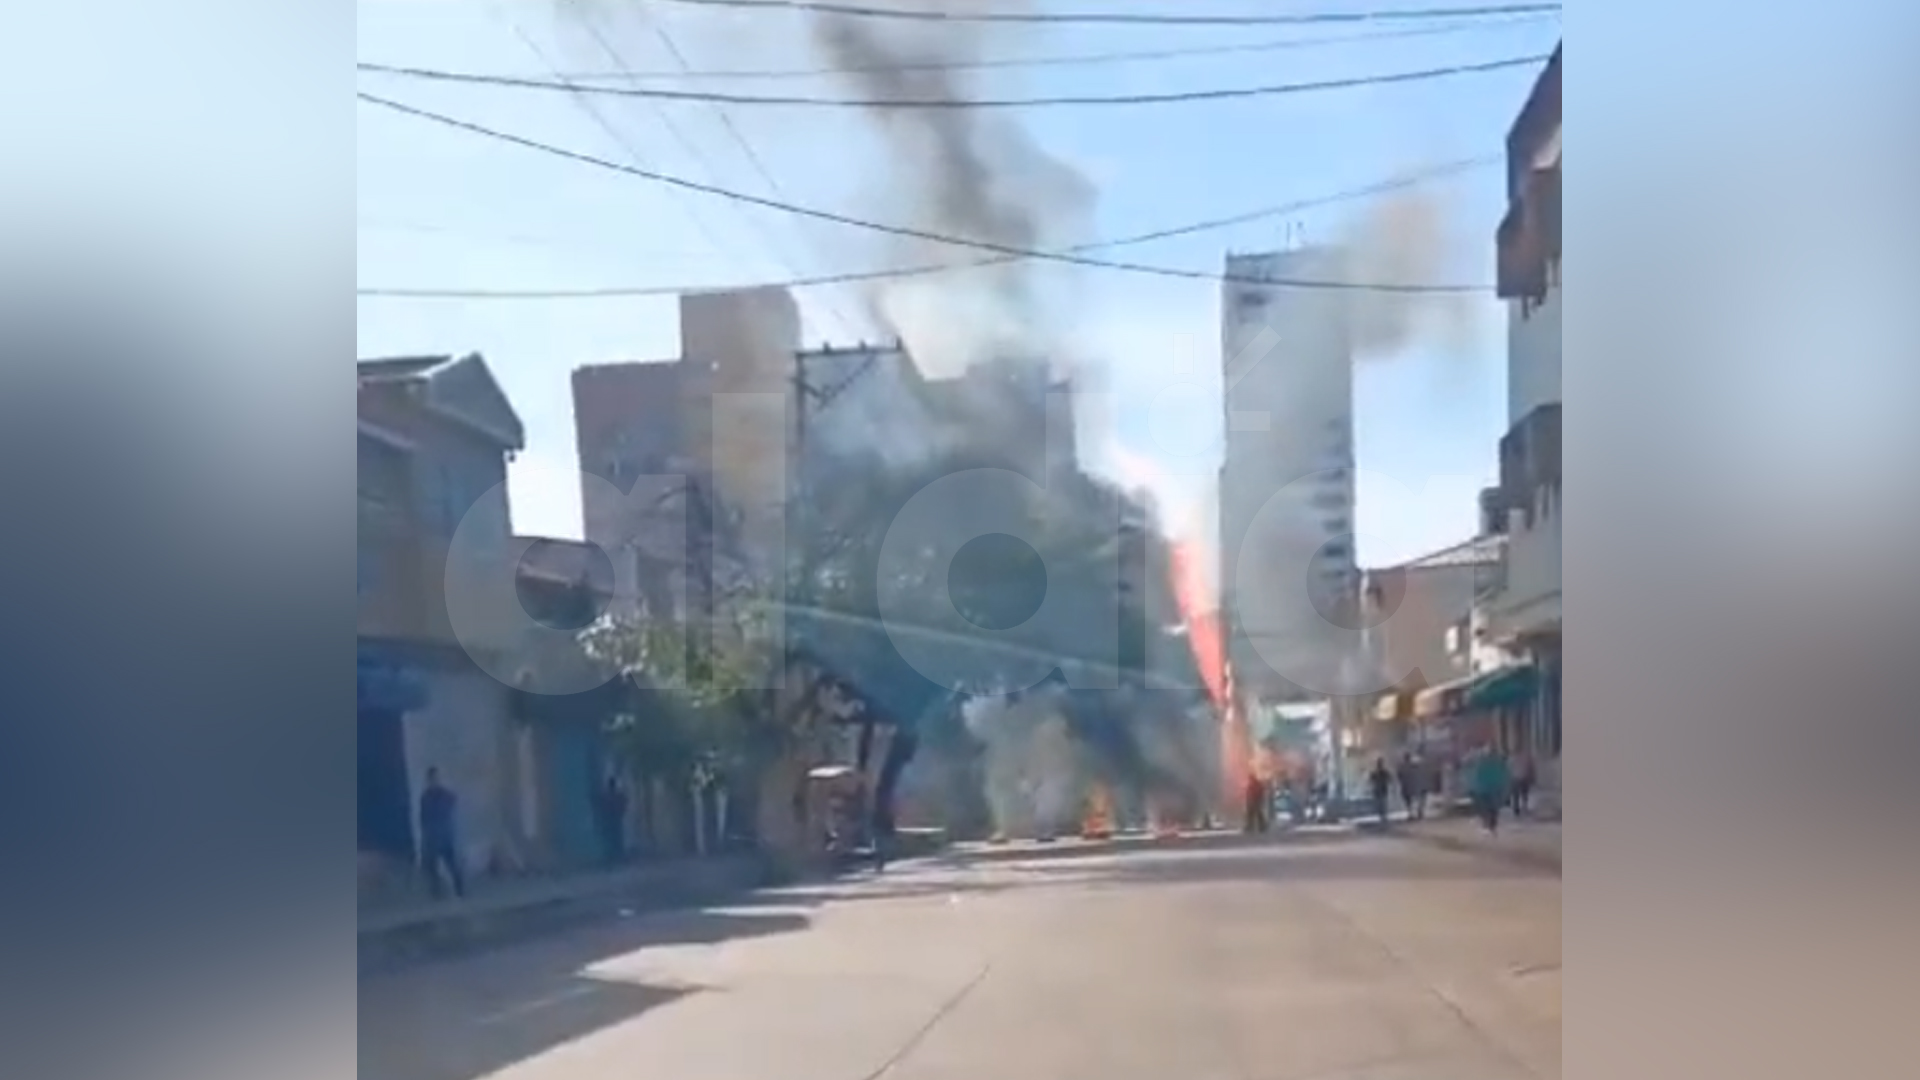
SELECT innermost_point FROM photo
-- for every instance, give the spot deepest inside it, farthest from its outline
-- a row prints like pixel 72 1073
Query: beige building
pixel 1421 613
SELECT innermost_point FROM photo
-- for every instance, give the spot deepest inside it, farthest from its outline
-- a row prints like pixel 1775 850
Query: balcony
pixel 1523 600
pixel 1529 465
pixel 1528 241
pixel 1527 605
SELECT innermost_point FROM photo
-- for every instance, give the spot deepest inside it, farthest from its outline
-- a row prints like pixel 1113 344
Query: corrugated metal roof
pixel 1479 551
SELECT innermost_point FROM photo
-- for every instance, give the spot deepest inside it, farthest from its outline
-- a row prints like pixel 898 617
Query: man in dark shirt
pixel 438 847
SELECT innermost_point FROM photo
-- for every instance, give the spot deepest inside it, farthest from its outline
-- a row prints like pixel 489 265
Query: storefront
pixel 386 688
pixel 1507 696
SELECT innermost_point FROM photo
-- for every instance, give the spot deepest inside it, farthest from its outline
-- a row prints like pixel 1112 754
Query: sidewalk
pixel 499 911
pixel 1522 841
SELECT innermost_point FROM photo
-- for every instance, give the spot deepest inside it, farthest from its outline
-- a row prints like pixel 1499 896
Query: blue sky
pixel 441 208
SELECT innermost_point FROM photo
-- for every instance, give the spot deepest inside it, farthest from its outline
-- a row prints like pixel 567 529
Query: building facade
pixel 435 434
pixel 753 419
pixel 1288 578
pixel 1421 615
pixel 1523 615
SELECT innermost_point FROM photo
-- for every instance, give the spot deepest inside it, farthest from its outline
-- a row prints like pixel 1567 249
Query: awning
pixel 1394 705
pixel 1503 687
pixel 1443 698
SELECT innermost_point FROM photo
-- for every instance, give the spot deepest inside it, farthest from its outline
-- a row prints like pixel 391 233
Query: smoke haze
pixel 1406 238
pixel 960 172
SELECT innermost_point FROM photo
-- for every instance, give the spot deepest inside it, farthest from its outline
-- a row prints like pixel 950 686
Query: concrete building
pixel 1288 577
pixel 435 434
pixel 720 414
pixel 1422 616
pixel 1523 614
pixel 822 406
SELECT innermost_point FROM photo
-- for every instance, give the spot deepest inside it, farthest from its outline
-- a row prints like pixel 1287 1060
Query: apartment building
pixel 1523 615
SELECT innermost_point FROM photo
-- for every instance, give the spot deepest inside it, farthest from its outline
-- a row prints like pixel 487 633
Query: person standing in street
pixel 1380 786
pixel 1413 786
pixel 1256 798
pixel 439 842
pixel 1491 783
pixel 610 814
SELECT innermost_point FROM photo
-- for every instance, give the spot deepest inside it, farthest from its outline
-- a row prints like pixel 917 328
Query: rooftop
pixel 401 368
pixel 1479 551
pixel 459 388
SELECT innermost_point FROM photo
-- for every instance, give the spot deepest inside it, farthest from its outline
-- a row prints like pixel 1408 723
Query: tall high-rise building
pixel 1288 577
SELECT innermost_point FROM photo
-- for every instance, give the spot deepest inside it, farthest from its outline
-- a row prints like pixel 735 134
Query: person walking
pixel 1523 781
pixel 439 841
pixel 1413 786
pixel 1380 785
pixel 1491 782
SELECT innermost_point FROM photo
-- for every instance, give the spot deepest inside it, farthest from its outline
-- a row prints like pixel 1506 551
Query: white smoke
pixel 1033 778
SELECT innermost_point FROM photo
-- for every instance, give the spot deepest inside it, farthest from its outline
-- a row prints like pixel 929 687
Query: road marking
pixel 558 997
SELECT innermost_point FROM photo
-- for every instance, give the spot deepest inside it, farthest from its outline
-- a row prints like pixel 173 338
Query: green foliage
pixel 707 677
pixel 707 673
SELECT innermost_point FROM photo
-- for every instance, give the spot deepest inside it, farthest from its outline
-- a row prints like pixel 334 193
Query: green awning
pixel 1503 688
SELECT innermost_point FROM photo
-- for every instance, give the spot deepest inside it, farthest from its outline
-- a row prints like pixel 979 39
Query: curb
pixel 1515 856
pixel 462 933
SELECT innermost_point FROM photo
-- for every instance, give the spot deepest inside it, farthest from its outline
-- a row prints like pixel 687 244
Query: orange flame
pixel 1209 654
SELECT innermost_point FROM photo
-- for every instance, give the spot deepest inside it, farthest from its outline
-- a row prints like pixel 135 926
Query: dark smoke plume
pixel 960 172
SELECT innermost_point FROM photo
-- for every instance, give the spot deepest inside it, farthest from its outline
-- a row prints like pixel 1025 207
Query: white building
pixel 1287 570
pixel 1523 614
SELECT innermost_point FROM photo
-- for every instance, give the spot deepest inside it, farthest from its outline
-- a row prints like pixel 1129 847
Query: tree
pixel 709 661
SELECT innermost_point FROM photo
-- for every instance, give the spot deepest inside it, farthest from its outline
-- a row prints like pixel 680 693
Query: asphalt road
pixel 1349 958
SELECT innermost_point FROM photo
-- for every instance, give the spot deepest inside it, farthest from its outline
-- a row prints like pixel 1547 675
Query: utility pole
pixel 810 397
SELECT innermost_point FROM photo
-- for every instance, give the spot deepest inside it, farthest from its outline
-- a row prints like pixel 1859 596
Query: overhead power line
pixel 1122 18
pixel 1214 94
pixel 1011 251
pixel 848 325
pixel 1059 60
pixel 925 269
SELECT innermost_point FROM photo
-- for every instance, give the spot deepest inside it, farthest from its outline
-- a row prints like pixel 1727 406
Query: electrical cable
pixel 1056 61
pixel 853 276
pixel 797 101
pixel 1015 253
pixel 1119 18
pixel 848 325
pixel 587 106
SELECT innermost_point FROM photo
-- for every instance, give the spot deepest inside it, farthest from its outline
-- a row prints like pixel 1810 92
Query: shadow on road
pixel 465 1018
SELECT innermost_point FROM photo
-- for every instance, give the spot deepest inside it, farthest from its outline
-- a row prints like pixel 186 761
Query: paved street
pixel 1335 958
